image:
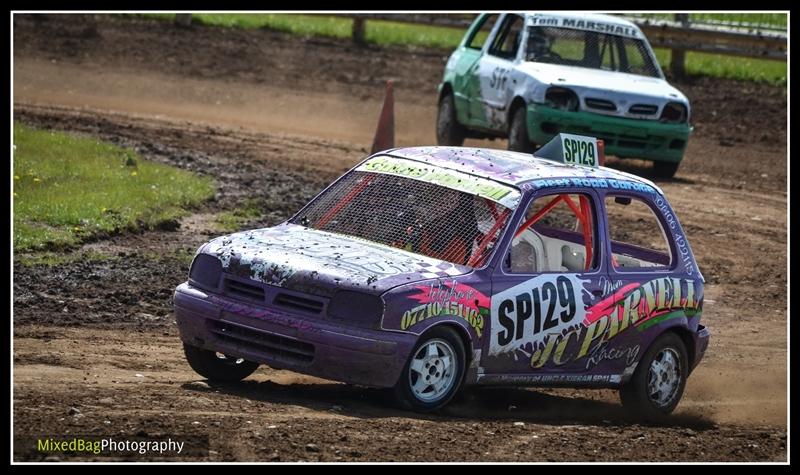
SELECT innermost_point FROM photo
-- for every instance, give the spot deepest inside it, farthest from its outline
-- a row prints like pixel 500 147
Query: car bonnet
pixel 319 263
pixel 597 79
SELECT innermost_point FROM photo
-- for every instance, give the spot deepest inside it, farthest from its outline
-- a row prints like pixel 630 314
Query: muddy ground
pixel 275 118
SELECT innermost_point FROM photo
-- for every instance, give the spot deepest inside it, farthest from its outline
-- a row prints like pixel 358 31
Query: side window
pixel 558 234
pixel 509 37
pixel 481 33
pixel 638 58
pixel 637 238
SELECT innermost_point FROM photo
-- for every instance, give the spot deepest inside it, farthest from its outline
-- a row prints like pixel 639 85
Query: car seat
pixel 571 260
pixel 527 253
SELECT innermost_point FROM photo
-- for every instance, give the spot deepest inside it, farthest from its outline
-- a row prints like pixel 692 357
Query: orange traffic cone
pixel 384 134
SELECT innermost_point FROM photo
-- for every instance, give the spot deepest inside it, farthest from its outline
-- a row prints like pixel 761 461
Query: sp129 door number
pixel 553 305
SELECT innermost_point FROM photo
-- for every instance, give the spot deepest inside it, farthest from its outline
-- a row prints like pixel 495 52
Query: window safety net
pixel 589 49
pixel 414 215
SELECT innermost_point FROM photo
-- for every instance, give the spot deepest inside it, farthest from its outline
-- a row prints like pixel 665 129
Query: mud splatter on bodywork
pixel 318 262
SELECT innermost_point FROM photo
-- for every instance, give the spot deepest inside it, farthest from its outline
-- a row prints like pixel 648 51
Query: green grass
pixel 305 25
pixel 68 189
pixel 376 31
pixel 396 33
pixel 729 67
pixel 776 20
pixel 231 221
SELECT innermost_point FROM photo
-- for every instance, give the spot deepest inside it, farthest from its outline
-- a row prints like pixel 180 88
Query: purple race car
pixel 426 269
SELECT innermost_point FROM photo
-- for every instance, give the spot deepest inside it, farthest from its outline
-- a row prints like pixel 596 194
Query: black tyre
pixel 434 371
pixel 448 131
pixel 216 366
pixel 657 385
pixel 518 140
pixel 665 169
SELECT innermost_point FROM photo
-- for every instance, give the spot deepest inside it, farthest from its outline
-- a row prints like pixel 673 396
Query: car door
pixel 650 267
pixel 465 82
pixel 552 272
pixel 494 70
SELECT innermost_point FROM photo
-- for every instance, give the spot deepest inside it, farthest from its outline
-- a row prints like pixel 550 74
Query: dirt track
pixel 218 102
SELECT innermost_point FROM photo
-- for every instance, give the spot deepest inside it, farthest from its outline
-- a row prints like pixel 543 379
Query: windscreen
pixel 418 216
pixel 589 49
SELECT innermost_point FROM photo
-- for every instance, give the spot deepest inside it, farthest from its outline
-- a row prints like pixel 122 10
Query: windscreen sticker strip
pixel 583 24
pixel 464 182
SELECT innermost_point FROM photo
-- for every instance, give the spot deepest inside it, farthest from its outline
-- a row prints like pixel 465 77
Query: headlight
pixel 205 271
pixel 561 98
pixel 356 307
pixel 675 112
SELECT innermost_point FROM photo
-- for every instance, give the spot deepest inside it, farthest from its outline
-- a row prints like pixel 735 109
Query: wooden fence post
pixel 183 19
pixel 359 30
pixel 677 65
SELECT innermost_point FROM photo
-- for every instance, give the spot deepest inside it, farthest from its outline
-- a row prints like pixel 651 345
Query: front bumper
pixel 286 341
pixel 624 138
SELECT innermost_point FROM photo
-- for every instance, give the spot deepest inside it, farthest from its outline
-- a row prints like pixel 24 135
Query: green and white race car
pixel 531 76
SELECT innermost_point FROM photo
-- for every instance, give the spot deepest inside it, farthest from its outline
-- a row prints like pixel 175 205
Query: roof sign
pixel 588 24
pixel 572 149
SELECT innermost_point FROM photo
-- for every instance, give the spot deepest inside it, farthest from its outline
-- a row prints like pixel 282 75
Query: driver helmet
pixel 538 43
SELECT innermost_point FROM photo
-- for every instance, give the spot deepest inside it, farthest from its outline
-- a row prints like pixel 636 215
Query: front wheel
pixel 518 140
pixel 448 131
pixel 657 384
pixel 434 371
pixel 217 366
pixel 665 169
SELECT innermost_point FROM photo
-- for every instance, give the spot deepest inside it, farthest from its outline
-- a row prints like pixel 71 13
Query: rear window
pixel 410 214
pixel 637 238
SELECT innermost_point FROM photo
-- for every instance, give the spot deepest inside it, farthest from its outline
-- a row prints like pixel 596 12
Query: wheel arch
pixel 515 104
pixel 462 333
pixel 686 338
pixel 446 89
pixel 688 341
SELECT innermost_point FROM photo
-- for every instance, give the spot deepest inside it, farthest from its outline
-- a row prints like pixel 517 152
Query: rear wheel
pixel 657 384
pixel 448 131
pixel 434 371
pixel 518 140
pixel 665 169
pixel 217 366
